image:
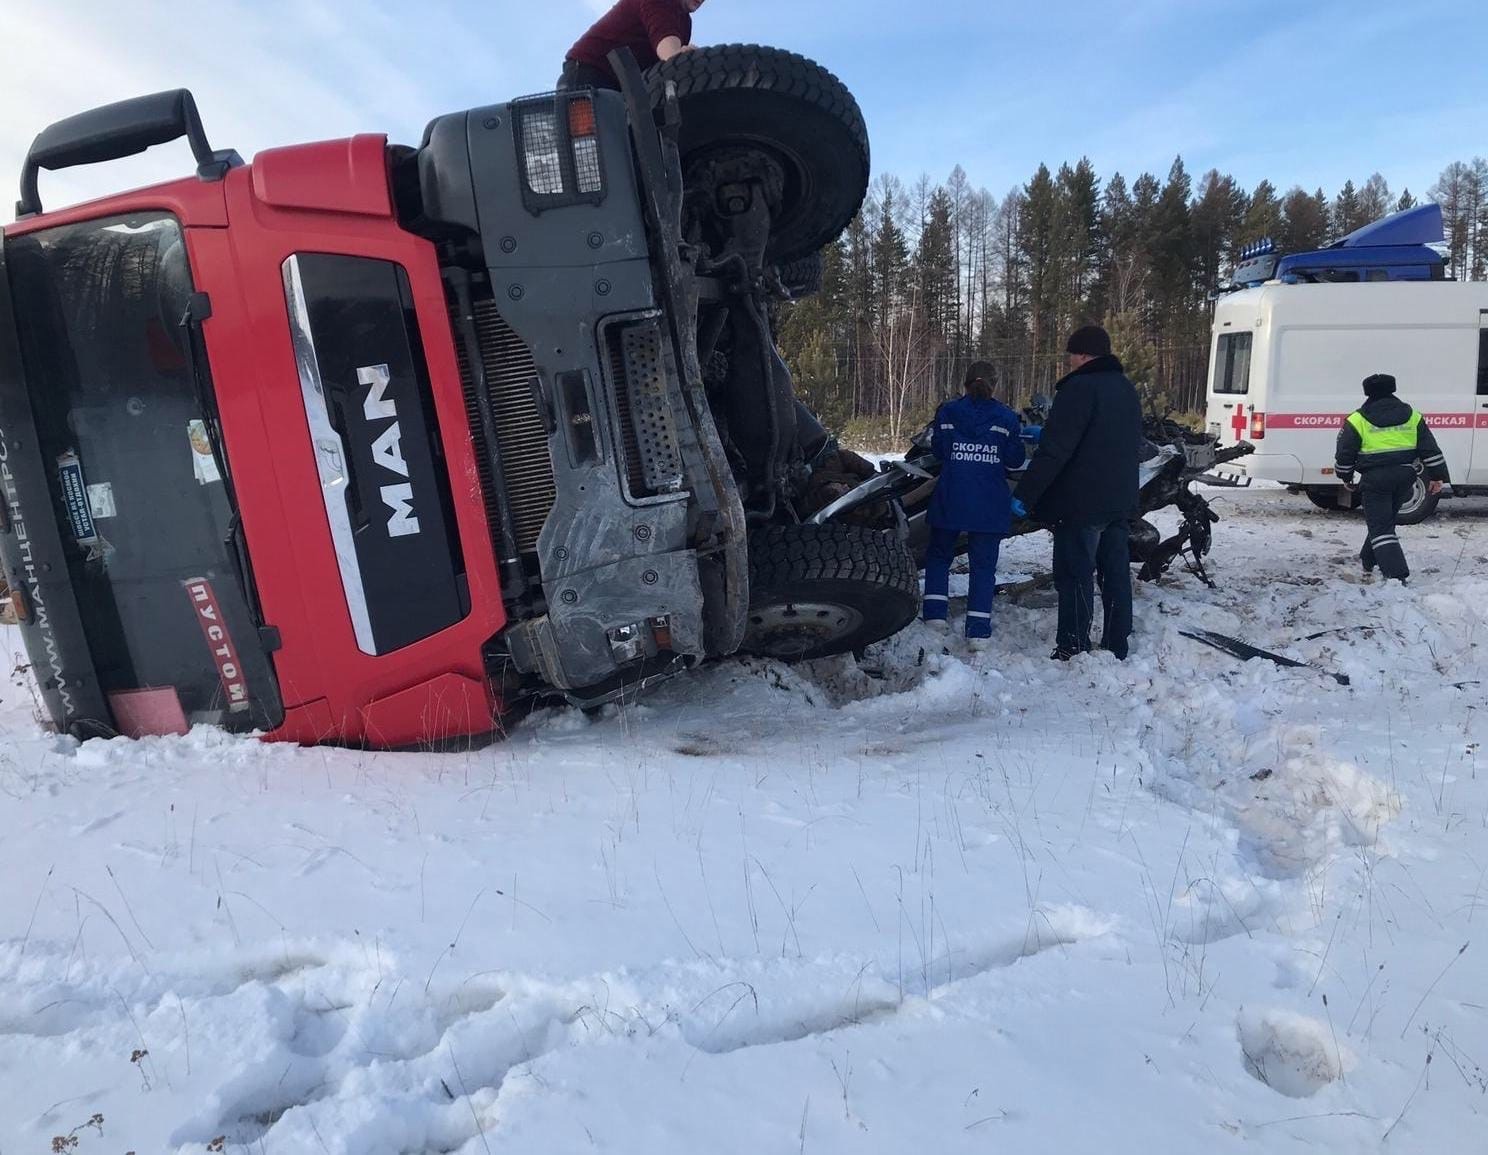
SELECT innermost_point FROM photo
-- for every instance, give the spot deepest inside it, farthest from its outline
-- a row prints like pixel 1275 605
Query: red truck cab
pixel 373 631
pixel 367 443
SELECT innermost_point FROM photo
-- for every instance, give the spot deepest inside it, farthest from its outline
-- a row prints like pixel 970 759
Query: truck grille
pixel 648 432
pixel 521 437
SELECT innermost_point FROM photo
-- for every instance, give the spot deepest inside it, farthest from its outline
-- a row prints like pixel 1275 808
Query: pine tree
pixel 1348 212
pixel 890 253
pixel 1145 192
pixel 1218 216
pixel 935 264
pixel 1078 238
pixel 1452 193
pixel 1477 217
pixel 1130 343
pixel 1374 200
pixel 1304 224
pixel 1170 244
pixel 1263 216
pixel 1324 210
pixel 1118 229
pixel 1007 229
pixel 1036 247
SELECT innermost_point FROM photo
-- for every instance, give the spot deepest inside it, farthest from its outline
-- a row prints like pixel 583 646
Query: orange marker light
pixel 581 122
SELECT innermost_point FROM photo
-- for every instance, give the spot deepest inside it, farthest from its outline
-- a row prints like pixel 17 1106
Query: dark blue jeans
pixel 1081 554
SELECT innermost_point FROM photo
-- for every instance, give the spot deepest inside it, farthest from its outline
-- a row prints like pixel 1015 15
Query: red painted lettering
pixel 219 642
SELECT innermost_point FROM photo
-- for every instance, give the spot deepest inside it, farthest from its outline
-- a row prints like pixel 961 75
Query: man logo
pixel 387 450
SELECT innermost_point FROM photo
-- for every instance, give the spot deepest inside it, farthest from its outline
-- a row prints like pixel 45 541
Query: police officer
pixel 1383 443
pixel 977 440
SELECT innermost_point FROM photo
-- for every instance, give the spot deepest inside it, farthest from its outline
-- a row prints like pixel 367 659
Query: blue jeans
pixel 1081 553
pixel 983 549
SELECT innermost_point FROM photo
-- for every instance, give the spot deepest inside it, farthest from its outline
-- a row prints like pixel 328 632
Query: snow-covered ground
pixel 941 904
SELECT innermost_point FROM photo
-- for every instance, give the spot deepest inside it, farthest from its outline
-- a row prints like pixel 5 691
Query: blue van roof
pixel 1397 244
pixel 1421 225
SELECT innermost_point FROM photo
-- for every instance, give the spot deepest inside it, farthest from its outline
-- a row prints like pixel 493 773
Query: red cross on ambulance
pixel 1237 422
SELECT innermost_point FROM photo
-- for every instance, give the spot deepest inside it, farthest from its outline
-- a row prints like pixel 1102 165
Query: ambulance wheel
pixel 1421 506
pixel 1333 498
pixel 817 590
pixel 743 99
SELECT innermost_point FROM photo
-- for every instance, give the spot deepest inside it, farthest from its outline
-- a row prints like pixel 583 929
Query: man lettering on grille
pixel 654 30
pixel 1381 448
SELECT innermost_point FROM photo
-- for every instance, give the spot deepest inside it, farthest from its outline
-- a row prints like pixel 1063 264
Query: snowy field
pixel 938 904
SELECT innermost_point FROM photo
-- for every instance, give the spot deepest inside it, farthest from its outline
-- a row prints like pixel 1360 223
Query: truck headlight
pixel 559 151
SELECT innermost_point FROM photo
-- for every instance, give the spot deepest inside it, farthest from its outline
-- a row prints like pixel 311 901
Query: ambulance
pixel 1296 336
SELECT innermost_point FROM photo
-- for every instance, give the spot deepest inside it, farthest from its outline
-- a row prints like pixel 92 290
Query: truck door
pixel 1477 473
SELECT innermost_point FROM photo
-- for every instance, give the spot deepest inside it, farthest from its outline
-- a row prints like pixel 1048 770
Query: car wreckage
pixel 370 444
pixel 1173 459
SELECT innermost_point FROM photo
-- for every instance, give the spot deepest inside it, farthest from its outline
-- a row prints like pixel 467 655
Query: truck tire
pixel 1421 506
pixel 802 277
pixel 744 96
pixel 817 590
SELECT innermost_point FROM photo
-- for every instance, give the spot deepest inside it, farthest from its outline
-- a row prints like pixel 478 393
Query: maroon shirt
pixel 639 25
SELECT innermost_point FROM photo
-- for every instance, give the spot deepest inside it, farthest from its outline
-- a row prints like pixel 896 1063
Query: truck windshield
pixel 126 427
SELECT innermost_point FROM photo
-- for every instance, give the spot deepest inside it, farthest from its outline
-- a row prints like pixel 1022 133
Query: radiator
pixel 521 439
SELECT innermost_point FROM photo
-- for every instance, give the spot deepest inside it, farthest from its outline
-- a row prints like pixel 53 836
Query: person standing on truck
pixel 1083 482
pixel 977 439
pixel 654 30
pixel 1381 445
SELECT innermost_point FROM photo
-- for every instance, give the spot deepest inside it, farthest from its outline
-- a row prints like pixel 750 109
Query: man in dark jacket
pixel 977 439
pixel 654 30
pixel 1083 482
pixel 1382 444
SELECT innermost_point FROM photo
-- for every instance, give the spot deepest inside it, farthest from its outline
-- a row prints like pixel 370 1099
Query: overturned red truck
pixel 367 443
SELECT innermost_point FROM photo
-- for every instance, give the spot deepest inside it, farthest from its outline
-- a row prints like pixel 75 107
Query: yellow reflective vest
pixel 1374 439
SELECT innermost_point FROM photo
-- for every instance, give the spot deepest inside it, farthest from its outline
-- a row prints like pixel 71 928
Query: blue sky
pixel 1307 91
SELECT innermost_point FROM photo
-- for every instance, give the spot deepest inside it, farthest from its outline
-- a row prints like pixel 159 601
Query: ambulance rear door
pixel 1477 473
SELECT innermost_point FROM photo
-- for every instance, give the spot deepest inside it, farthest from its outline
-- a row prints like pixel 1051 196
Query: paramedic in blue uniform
pixel 977 440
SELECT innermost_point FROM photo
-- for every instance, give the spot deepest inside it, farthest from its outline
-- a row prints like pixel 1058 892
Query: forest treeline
pixel 931 276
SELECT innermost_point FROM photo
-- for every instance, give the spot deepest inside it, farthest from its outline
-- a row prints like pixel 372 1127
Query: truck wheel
pixel 817 590
pixel 1333 498
pixel 737 97
pixel 802 277
pixel 1421 506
